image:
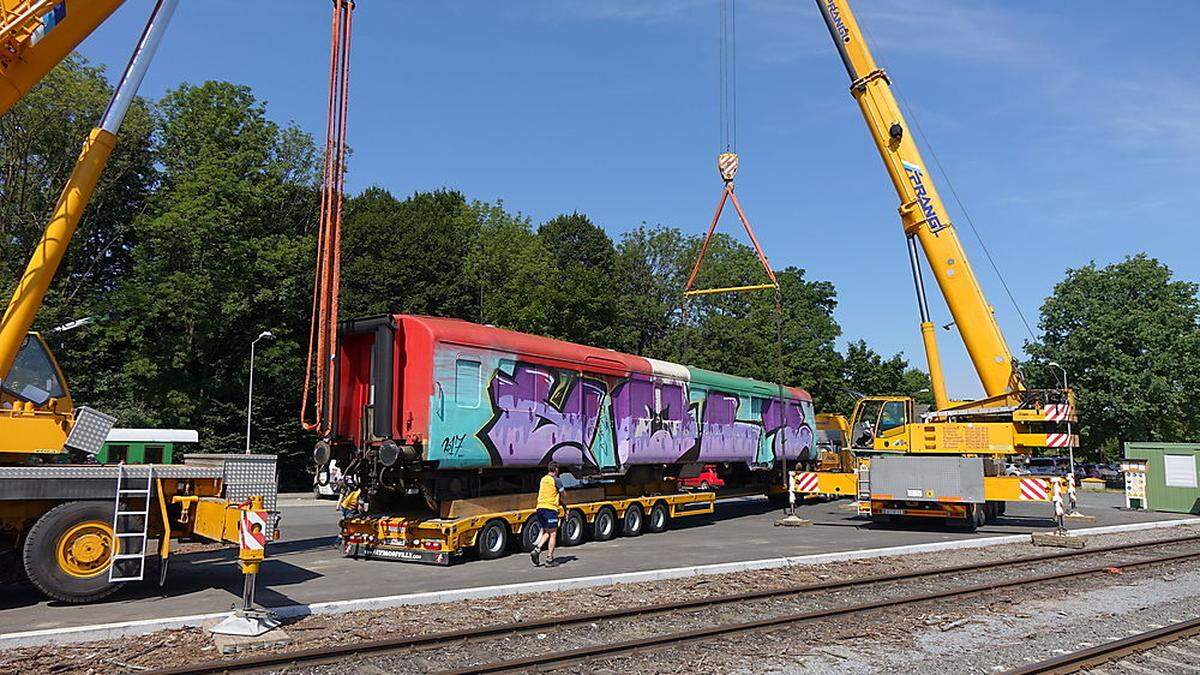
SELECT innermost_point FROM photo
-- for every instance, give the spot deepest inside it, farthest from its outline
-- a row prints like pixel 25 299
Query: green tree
pixel 584 306
pixel 866 372
pixel 40 139
pixel 648 275
pixel 1128 335
pixel 225 253
pixel 743 333
pixel 511 270
pixel 408 256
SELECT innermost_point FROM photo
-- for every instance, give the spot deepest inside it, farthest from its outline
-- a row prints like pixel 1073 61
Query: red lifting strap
pixel 322 336
pixel 727 163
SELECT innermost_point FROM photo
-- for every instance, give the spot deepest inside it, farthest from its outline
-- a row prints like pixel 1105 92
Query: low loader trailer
pixel 491 527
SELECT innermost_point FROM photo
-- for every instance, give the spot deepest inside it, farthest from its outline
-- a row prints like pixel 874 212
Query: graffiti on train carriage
pixel 537 413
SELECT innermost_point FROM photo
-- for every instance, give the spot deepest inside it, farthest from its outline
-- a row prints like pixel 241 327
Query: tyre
pixel 992 511
pixel 492 540
pixel 659 518
pixel 530 532
pixel 571 529
pixel 68 552
pixel 632 521
pixel 971 521
pixel 604 525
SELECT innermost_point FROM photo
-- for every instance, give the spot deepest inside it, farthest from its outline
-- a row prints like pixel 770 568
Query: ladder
pixel 864 486
pixel 130 524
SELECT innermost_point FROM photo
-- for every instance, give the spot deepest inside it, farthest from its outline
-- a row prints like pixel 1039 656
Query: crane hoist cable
pixel 727 165
pixel 322 337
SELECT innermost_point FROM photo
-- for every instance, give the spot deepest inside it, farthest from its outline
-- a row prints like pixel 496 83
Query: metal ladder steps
pixel 125 531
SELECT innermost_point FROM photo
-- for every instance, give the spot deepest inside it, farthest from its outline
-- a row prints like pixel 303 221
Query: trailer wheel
pixel 632 521
pixel 69 550
pixel 530 532
pixel 604 525
pixel 492 540
pixel 659 518
pixel 570 530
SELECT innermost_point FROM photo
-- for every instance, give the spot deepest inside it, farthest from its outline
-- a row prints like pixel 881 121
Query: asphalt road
pixel 306 566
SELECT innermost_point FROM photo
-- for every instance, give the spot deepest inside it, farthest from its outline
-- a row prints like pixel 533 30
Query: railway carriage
pixel 454 409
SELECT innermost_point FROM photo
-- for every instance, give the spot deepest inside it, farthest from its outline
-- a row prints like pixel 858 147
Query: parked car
pixel 1015 470
pixel 707 479
pixel 1049 466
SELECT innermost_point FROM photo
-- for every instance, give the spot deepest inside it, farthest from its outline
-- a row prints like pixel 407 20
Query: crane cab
pixel 893 424
pixel 35 404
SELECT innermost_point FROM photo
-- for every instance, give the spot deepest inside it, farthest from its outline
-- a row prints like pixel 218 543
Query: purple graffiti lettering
pixel 542 414
pixel 653 420
pixel 791 436
pixel 726 438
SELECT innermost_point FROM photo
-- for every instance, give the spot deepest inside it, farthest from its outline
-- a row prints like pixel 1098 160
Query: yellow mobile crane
pixel 79 530
pixel 948 462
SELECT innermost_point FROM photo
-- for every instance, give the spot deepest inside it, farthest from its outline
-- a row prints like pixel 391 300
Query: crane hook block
pixel 727 164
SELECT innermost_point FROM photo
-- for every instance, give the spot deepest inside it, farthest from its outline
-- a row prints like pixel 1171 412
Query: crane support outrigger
pixel 903 453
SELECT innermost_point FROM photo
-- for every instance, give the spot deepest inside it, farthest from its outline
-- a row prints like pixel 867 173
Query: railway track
pixel 1117 653
pixel 314 658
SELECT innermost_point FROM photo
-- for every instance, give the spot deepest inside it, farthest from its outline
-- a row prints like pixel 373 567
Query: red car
pixel 707 479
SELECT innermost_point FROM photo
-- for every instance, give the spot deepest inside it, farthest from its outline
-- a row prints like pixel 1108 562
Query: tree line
pixel 201 235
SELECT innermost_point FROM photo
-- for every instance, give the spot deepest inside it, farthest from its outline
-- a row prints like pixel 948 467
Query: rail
pixel 1111 651
pixel 315 656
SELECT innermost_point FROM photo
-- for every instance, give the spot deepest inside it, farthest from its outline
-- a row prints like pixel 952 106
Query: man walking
pixel 549 499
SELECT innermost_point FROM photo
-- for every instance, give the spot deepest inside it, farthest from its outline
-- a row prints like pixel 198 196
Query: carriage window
pixel 467 383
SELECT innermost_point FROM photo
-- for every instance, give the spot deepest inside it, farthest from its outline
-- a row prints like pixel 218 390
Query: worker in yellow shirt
pixel 549 500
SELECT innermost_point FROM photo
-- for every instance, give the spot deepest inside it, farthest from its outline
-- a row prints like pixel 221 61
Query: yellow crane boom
pixel 924 217
pixel 31 289
pixel 36 34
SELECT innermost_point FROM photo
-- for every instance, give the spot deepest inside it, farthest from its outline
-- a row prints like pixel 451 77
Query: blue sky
pixel 1071 130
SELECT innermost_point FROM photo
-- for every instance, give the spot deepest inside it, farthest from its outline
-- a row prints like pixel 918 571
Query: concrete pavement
pixel 306 567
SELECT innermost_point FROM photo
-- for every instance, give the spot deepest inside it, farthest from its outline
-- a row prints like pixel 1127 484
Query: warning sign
pixel 252 534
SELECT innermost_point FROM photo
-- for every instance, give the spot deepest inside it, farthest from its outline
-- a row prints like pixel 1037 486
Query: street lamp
pixel 250 395
pixel 1070 447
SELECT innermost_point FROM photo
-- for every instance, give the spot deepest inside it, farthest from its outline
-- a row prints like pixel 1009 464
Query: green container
pixel 1172 475
pixel 145 446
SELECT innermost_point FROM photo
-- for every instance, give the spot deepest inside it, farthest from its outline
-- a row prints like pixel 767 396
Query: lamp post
pixel 250 395
pixel 1070 447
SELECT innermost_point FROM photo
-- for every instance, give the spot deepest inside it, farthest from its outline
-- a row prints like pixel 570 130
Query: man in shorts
pixel 549 499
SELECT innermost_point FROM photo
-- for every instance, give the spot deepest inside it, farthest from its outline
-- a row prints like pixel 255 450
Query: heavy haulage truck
pixel 75 529
pixel 445 426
